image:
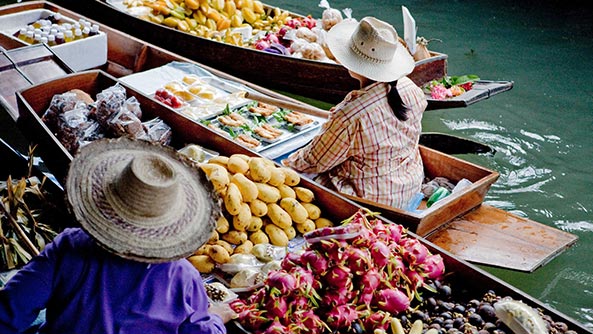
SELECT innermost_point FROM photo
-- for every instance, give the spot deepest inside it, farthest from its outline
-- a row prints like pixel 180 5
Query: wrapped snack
pixel 330 16
pixel 306 34
pixel 125 123
pixel 313 51
pixel 59 104
pixel 133 106
pixel 71 127
pixel 157 131
pixel 109 102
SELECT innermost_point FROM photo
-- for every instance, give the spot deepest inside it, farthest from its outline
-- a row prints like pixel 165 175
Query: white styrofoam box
pixel 80 55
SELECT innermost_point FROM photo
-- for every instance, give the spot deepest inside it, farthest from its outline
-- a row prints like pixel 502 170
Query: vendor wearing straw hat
pixel 142 209
pixel 369 145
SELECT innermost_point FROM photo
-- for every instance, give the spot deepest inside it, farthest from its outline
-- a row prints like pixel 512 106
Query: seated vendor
pixel 369 146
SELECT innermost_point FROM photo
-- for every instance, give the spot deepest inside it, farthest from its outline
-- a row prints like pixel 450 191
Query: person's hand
pixel 223 310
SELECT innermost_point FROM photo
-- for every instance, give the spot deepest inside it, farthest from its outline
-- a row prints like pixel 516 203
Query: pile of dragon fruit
pixel 355 276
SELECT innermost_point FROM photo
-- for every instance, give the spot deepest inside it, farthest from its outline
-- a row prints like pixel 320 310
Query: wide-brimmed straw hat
pixel 140 200
pixel 370 48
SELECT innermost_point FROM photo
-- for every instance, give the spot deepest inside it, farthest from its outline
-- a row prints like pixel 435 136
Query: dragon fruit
pixel 395 232
pixel 337 297
pixel 281 280
pixel 290 261
pixel 341 317
pixel 312 321
pixel 358 260
pixel 415 279
pixel 377 320
pixel 276 328
pixel 333 249
pixel 277 307
pixel 338 276
pixel 313 260
pixel 434 267
pixel 380 253
pixel 253 319
pixel 300 303
pixel 413 251
pixel 370 281
pixel 257 298
pixel 393 301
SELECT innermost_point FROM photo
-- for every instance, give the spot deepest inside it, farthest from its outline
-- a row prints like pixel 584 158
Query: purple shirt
pixel 87 290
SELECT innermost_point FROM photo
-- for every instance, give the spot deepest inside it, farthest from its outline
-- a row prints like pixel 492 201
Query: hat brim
pixel 173 236
pixel 338 42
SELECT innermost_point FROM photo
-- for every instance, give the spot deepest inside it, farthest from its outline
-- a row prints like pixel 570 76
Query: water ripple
pixel 580 226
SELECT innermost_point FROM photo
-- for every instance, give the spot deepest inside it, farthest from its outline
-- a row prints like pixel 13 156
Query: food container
pixel 79 54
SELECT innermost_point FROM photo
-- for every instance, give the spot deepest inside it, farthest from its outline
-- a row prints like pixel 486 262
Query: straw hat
pixel 370 48
pixel 140 200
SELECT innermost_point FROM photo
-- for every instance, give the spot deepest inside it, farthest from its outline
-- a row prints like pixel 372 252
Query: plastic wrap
pixel 157 131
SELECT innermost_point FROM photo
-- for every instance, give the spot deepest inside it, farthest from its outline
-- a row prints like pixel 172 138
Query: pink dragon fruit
pixel 337 297
pixel 313 260
pixel 370 281
pixel 277 308
pixel 379 228
pixel 413 251
pixel 312 321
pixel 395 232
pixel 341 317
pixel 415 279
pixel 281 280
pixel 276 327
pixel 358 260
pixel 239 305
pixel 258 297
pixel 338 276
pixel 434 267
pixel 377 320
pixel 380 252
pixel 364 238
pixel 365 298
pixel 290 261
pixel 333 249
pixel 393 301
pixel 299 303
pixel 253 319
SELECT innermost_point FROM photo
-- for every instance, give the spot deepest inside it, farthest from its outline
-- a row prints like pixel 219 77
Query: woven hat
pixel 141 201
pixel 370 48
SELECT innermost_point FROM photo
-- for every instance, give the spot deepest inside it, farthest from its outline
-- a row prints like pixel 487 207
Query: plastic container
pixel 462 184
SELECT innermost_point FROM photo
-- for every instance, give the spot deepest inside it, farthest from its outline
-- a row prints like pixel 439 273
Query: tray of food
pixel 260 126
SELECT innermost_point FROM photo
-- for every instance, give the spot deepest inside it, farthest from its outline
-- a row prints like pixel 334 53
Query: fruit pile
pixel 358 275
pixel 263 204
pixel 450 86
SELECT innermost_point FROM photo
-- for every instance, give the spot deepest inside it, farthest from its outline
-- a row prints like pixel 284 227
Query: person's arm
pixel 203 319
pixel 28 291
pixel 327 150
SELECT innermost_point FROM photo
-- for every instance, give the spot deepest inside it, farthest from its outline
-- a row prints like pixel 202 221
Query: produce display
pixel 262 204
pixel 194 97
pixel 367 276
pixel 259 125
pixel 76 118
pixel 450 86
pixel 246 23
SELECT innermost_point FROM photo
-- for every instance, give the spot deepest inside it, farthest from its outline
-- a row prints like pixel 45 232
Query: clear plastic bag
pixel 342 232
pixel 157 131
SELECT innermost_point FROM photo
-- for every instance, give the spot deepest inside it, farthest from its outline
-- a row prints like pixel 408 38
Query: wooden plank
pixel 494 237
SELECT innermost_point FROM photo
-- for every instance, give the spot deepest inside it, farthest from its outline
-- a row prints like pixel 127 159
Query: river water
pixel 542 129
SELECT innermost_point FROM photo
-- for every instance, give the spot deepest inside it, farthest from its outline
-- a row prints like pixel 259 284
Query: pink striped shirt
pixel 364 150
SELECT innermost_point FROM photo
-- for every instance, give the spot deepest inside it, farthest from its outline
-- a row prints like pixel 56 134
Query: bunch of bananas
pixel 213 19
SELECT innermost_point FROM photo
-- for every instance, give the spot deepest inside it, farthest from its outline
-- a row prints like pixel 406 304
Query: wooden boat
pixel 323 81
pixel 469 280
pixel 125 55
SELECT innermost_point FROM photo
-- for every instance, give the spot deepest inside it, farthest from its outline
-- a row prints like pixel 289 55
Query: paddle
pixel 451 144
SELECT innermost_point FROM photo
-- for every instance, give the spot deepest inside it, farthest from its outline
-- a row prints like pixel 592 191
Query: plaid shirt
pixel 364 150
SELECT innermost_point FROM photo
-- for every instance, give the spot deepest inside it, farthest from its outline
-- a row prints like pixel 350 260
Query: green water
pixel 542 128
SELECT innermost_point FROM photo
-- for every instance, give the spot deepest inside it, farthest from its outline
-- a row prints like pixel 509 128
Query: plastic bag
pixel 157 131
